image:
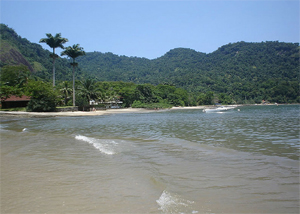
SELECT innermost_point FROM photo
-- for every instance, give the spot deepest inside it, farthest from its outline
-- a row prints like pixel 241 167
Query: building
pixel 108 104
pixel 15 101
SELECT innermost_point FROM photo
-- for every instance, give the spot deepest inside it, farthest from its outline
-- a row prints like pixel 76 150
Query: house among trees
pixel 15 101
pixel 108 104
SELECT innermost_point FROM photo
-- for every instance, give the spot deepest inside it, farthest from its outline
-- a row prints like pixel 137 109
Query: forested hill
pixel 231 64
pixel 242 70
pixel 15 50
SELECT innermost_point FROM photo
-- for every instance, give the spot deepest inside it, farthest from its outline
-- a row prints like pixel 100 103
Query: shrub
pixel 43 97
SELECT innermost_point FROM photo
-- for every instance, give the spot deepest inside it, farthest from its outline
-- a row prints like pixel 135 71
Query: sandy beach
pixel 94 113
pixel 74 113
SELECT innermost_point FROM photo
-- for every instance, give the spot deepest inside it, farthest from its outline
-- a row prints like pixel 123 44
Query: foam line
pixel 101 145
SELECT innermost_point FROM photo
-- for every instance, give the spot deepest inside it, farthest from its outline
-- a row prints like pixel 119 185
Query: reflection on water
pixel 182 161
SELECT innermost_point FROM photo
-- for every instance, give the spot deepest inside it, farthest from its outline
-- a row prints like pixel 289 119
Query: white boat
pixel 218 109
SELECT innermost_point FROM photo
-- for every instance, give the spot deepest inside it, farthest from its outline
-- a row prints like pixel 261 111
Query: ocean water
pixel 174 161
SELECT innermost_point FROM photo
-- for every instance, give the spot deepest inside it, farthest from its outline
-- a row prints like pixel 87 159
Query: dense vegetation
pixel 235 73
pixel 247 72
pixel 44 97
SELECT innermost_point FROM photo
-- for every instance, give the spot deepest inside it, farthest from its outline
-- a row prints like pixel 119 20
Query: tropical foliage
pixel 73 52
pixel 89 90
pixel 15 50
pixel 13 79
pixel 54 42
pixel 235 73
pixel 43 97
pixel 65 90
pixel 245 72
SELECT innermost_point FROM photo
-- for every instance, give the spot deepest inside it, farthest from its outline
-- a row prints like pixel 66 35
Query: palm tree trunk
pixel 73 85
pixel 53 72
pixel 66 98
pixel 53 67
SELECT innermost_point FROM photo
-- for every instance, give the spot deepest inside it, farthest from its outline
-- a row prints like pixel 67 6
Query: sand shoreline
pixel 88 113
pixel 72 114
pixel 93 113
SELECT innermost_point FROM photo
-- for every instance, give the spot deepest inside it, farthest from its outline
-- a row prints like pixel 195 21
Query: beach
pixel 72 113
pixel 88 113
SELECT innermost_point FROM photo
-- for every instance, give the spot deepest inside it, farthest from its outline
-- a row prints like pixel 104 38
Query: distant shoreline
pixel 74 113
pixel 89 113
pixel 101 112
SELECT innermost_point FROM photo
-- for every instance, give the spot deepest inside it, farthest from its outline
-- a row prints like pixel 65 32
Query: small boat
pixel 218 109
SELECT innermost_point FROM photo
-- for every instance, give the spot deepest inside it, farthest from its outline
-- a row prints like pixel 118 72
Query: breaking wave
pixel 104 146
pixel 173 203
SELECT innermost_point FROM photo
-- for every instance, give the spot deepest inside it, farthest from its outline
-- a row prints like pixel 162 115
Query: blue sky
pixel 148 28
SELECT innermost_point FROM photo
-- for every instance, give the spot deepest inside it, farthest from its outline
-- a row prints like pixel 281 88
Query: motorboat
pixel 218 109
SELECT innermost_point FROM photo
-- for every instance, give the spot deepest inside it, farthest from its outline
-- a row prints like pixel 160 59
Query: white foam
pixel 172 203
pixel 103 146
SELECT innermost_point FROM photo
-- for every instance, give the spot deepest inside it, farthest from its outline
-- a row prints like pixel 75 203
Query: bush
pixel 81 101
pixel 43 97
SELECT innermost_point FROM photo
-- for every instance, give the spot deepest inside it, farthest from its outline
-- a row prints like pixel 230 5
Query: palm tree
pixel 73 52
pixel 89 89
pixel 66 91
pixel 54 42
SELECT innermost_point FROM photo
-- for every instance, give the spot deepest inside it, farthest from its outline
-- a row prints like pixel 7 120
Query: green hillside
pixel 16 50
pixel 245 72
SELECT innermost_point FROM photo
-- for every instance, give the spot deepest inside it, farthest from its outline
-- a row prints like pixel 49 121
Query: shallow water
pixel 178 161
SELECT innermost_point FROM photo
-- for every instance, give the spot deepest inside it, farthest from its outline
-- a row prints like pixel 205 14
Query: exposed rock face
pixel 10 56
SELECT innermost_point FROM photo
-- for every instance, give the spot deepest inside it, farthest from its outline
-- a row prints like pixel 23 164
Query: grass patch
pixel 14 109
pixel 65 106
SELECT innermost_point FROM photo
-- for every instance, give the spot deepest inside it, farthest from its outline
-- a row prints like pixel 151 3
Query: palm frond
pixel 54 42
pixel 73 51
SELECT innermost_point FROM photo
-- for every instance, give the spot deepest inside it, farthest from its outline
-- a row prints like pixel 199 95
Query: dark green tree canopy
pixel 54 41
pixel 14 75
pixel 88 89
pixel 73 52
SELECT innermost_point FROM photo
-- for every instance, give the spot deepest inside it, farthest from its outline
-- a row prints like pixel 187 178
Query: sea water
pixel 175 161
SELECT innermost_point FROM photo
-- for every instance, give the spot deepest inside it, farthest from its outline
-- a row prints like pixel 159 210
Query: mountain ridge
pixel 242 70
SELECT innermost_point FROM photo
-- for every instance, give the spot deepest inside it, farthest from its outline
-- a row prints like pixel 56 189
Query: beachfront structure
pixel 108 104
pixel 15 102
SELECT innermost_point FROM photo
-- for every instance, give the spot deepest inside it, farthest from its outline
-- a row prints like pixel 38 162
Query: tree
pixel 6 91
pixel 127 95
pixel 73 52
pixel 66 90
pixel 54 42
pixel 43 97
pixel 224 99
pixel 13 80
pixel 205 99
pixel 89 89
pixel 144 93
pixel 15 75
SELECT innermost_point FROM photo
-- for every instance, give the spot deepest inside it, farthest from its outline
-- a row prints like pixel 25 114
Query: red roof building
pixel 15 101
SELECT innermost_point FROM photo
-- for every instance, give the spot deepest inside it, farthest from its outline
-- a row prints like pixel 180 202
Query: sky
pixel 148 28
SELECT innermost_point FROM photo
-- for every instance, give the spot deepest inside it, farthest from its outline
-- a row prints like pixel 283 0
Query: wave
pixel 104 146
pixel 2 127
pixel 173 203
